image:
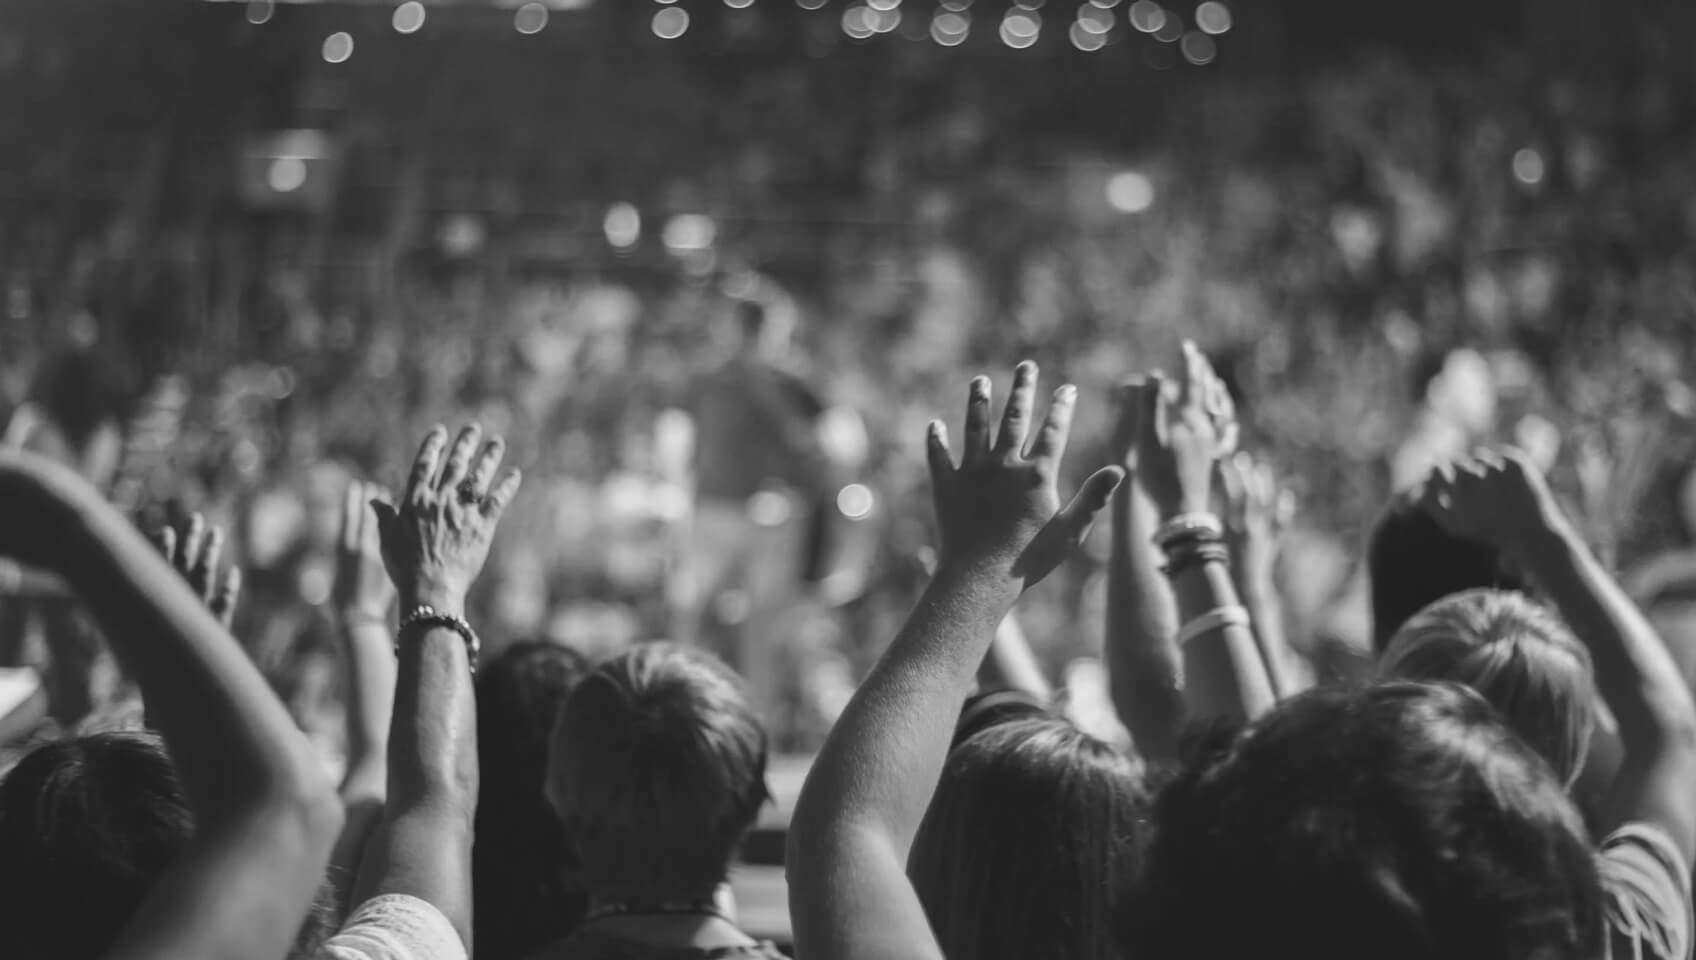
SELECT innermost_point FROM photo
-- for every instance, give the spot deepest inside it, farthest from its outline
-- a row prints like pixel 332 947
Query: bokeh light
pixel 671 23
pixel 688 232
pixel 811 4
pixel 1528 167
pixel 1147 16
pixel 1198 48
pixel 855 501
pixel 530 18
pixel 738 4
pixel 338 47
pixel 1130 192
pixel 883 21
pixel 261 11
pixel 1171 30
pixel 883 5
pixel 950 29
pixel 956 6
pixel 1095 19
pixel 409 17
pixel 622 225
pixel 857 22
pixel 286 174
pixel 1086 39
pixel 1213 17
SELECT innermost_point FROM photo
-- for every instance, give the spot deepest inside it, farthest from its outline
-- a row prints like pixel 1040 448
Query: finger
pixel 385 516
pixel 1050 443
pixel 420 484
pixel 1233 476
pixel 189 556
pixel 459 457
pixel 1284 513
pixel 1193 386
pixel 937 455
pixel 977 439
pixel 1090 500
pixel 370 537
pixel 1490 458
pixel 1150 431
pixel 202 574
pixel 1265 483
pixel 1016 418
pixel 483 470
pixel 166 538
pixel 223 604
pixel 498 499
pixel 353 514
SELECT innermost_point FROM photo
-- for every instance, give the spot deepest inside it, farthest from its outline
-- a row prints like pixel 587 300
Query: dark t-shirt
pixel 589 945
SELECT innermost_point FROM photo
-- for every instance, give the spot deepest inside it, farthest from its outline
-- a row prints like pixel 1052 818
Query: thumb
pixel 1153 417
pixel 386 517
pixel 1077 517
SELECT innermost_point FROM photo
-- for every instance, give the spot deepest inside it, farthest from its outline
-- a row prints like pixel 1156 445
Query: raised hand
pixel 1257 512
pixel 1181 438
pixel 195 554
pixel 1494 497
pixel 999 511
pixel 363 592
pixel 436 541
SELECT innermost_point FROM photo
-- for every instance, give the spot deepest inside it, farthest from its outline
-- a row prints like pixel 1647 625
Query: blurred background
pixel 250 249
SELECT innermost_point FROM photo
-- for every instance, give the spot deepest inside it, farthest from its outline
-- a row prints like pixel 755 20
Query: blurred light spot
pixel 1013 38
pixel 811 4
pixel 338 47
pixel 956 6
pixel 409 17
pixel 1104 4
pixel 1086 39
pixel 738 4
pixel 1094 19
pixel 261 11
pixel 1147 16
pixel 1028 4
pixel 855 501
pixel 1528 167
pixel 286 174
pixel 1022 25
pixel 883 4
pixel 768 508
pixel 1213 17
pixel 857 22
pixel 462 236
pixel 671 23
pixel 623 225
pixel 690 231
pixel 530 18
pixel 1198 48
pixel 883 21
pixel 1130 192
pixel 1170 31
pixel 950 29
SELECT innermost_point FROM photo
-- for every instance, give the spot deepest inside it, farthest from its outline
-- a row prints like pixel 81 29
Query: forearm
pixel 1143 663
pixel 1266 610
pixel 882 760
pixel 1634 670
pixel 422 846
pixel 370 703
pixel 1012 665
pixel 1224 673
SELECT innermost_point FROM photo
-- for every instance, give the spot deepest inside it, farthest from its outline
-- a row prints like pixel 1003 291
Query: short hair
pixel 991 708
pixel 1030 844
pixel 1412 562
pixel 1401 821
pixel 523 899
pixel 657 771
pixel 1518 656
pixel 87 825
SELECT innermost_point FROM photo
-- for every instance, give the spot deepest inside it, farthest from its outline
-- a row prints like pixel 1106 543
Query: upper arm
pixel 1654 787
pixel 860 905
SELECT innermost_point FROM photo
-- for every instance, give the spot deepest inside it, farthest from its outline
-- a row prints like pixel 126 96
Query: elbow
pixel 307 803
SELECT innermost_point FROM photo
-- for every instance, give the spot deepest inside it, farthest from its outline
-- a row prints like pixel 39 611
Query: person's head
pixel 1400 821
pixel 1412 563
pixel 87 825
pixel 1518 656
pixel 520 868
pixel 1030 843
pixel 657 770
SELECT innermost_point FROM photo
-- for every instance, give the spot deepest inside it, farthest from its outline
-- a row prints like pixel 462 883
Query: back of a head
pixel 1401 822
pixel 1030 844
pixel 1412 563
pixel 1518 656
pixel 657 770
pixel 519 862
pixel 86 826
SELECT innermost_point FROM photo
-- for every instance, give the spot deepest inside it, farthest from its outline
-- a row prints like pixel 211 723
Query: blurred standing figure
pixel 70 416
pixel 759 464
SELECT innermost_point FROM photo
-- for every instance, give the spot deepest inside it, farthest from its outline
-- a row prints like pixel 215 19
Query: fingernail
pixel 980 385
pixel 1026 368
pixel 1066 392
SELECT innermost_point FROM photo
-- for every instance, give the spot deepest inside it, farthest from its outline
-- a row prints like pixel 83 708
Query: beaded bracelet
pixel 1216 619
pixel 1185 556
pixel 425 616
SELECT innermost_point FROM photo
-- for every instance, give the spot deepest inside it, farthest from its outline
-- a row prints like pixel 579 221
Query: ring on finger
pixel 468 492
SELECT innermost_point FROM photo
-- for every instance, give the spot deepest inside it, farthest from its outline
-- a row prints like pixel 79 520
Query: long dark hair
pixel 1030 845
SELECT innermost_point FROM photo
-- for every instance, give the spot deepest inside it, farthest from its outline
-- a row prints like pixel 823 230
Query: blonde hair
pixel 1517 655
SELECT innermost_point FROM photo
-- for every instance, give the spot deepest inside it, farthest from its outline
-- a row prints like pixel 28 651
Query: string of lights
pixel 1089 26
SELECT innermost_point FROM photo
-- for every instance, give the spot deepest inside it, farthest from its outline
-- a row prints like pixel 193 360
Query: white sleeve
pixel 395 927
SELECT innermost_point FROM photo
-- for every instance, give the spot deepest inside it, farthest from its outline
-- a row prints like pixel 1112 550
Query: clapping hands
pixel 1181 438
pixel 1494 497
pixel 999 511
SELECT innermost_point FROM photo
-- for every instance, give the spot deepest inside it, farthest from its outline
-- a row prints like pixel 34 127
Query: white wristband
pixel 1217 619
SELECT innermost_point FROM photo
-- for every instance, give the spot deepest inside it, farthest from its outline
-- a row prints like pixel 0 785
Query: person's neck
pixel 705 921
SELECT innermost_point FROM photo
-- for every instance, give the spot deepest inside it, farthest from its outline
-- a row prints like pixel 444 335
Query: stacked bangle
pixel 1187 527
pixel 1216 619
pixel 1187 556
pixel 424 616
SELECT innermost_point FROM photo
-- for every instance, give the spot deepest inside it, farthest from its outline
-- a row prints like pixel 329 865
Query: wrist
pixel 992 583
pixel 445 600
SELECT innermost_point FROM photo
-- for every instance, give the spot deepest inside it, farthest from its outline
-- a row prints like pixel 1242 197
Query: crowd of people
pixel 1511 780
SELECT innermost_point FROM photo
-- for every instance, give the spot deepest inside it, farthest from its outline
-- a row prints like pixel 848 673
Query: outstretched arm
pixel 1501 499
pixel 1181 441
pixel 434 545
pixel 1258 512
pixel 1002 530
pixel 265 814
pixel 1145 667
